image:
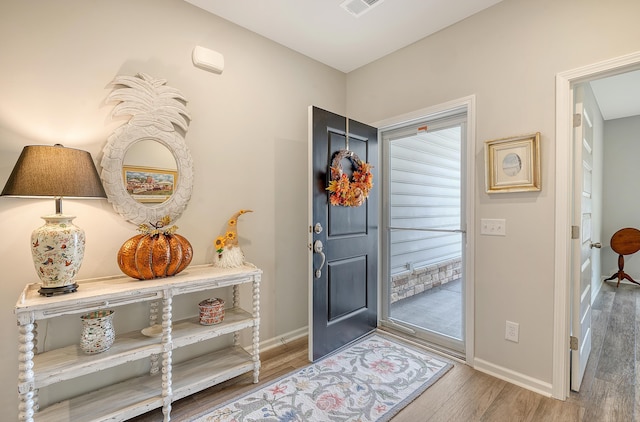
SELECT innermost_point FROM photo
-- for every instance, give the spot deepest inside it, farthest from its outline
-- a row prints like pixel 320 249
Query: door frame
pixel 468 103
pixel 565 82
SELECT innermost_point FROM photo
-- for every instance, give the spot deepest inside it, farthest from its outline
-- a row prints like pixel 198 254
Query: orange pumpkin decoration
pixel 154 253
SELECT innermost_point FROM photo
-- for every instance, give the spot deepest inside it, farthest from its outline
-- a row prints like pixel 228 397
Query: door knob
pixel 317 248
pixel 596 245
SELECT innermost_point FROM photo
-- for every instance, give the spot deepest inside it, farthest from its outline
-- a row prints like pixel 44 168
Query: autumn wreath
pixel 349 192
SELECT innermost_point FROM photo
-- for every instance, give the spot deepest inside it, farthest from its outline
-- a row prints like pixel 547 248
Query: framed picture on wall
pixel 149 185
pixel 513 164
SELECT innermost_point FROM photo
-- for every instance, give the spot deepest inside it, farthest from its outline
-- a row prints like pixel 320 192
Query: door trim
pixel 564 168
pixel 468 103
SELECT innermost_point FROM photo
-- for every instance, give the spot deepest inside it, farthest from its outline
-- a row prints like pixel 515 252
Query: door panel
pixel 347 286
pixel 582 250
pixel 343 294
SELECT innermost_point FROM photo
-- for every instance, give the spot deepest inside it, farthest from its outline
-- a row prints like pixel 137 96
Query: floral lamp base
pixel 57 249
pixel 50 291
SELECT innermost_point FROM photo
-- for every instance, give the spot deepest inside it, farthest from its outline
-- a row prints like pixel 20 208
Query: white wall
pixel 248 138
pixel 508 57
pixel 621 190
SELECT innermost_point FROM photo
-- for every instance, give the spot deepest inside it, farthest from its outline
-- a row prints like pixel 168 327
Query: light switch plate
pixel 493 227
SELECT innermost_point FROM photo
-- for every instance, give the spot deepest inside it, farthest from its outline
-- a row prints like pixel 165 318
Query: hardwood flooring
pixel 608 391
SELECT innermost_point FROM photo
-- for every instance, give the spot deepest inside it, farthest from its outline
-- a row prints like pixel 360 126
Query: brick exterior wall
pixel 414 282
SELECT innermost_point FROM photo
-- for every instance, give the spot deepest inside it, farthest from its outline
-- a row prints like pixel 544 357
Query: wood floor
pixel 608 391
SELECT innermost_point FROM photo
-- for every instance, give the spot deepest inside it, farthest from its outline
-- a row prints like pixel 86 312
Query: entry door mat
pixel 369 380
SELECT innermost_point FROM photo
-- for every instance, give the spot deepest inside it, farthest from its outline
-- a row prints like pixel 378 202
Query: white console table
pixel 166 382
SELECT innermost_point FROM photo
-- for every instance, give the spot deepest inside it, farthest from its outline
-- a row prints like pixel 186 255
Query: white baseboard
pixel 521 380
pixel 283 339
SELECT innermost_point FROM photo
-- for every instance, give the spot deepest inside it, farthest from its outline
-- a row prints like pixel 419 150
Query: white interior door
pixel 582 243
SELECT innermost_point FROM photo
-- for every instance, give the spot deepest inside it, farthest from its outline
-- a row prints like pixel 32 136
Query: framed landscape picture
pixel 149 185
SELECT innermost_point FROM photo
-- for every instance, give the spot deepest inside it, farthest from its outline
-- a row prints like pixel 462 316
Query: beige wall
pixel 248 138
pixel 508 57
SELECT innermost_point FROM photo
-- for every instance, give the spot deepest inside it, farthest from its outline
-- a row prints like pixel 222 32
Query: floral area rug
pixel 370 380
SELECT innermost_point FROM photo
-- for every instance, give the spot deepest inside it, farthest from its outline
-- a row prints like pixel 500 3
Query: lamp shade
pixel 54 171
pixel 57 247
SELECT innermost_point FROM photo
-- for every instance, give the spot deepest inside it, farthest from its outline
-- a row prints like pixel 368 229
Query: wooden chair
pixel 624 242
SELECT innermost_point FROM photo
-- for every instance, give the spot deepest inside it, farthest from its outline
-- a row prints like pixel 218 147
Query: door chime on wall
pixel 345 191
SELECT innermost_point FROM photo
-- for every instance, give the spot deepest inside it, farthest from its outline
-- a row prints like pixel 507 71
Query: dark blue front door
pixel 344 290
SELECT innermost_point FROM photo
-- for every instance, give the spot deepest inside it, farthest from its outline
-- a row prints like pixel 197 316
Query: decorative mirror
pixel 147 168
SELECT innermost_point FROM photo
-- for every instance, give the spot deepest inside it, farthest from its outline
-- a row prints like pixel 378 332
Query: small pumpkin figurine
pixel 156 252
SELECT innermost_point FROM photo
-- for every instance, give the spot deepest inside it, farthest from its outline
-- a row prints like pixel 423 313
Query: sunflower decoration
pixel 349 192
pixel 228 252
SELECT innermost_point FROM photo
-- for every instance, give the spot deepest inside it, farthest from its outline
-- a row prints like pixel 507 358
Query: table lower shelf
pixel 70 362
pixel 136 396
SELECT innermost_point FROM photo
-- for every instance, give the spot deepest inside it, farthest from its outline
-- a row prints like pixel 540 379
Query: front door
pixel 343 235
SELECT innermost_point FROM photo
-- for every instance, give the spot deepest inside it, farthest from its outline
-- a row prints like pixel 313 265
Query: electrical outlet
pixel 512 331
pixel 493 226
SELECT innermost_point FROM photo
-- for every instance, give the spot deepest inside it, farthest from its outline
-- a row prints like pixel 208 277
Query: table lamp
pixel 58 245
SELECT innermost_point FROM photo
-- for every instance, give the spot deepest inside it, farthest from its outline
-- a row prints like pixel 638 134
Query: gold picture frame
pixel 148 184
pixel 513 164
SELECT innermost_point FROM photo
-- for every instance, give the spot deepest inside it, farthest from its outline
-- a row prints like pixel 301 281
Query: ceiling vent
pixel 359 7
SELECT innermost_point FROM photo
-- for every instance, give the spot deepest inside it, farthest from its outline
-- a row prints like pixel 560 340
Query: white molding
pixel 562 308
pixel 310 187
pixel 405 119
pixel 283 339
pixel 564 168
pixel 521 380
pixel 471 230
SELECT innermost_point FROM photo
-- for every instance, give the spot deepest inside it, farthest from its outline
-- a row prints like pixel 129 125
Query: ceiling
pixel 328 33
pixel 618 96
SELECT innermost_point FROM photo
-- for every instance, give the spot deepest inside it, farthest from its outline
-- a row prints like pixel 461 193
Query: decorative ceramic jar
pixel 97 331
pixel 57 249
pixel 211 311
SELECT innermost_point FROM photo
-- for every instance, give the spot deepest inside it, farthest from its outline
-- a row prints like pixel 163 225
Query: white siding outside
pixel 425 194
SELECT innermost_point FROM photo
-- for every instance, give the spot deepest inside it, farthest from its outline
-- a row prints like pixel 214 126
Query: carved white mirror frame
pixel 156 111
